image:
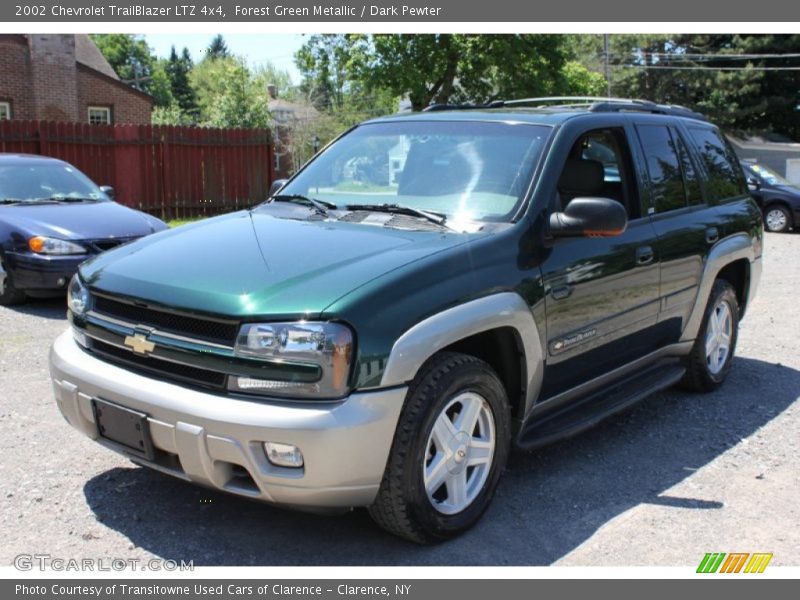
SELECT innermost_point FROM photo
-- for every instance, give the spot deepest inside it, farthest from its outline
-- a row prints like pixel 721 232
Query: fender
pixel 726 251
pixel 423 340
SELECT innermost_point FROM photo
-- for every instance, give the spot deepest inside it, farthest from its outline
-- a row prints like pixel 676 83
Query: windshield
pixel 769 176
pixel 42 182
pixel 467 171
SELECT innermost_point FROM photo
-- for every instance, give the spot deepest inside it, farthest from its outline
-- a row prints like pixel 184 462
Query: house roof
pixel 90 56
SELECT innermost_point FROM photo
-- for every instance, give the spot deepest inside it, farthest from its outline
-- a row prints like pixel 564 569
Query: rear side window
pixel 725 178
pixel 663 167
pixel 694 195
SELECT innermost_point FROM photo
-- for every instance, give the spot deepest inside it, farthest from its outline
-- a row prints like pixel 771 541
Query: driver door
pixel 601 294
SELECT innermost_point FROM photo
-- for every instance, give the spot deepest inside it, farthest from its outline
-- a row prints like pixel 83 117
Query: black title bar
pixel 405 11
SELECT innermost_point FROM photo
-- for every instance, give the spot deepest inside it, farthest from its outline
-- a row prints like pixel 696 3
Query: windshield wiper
pixel 321 206
pixel 11 201
pixel 428 215
pixel 67 199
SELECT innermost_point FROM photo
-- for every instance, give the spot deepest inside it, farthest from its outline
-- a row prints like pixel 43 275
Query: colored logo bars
pixel 735 562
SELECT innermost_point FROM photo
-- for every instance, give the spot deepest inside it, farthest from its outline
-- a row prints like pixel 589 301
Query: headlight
pixel 47 245
pixel 329 346
pixel 77 296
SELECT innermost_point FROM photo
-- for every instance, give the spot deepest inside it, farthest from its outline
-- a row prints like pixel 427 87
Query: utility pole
pixel 606 65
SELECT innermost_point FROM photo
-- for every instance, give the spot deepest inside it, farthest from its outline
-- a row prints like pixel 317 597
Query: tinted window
pixel 725 178
pixel 666 179
pixel 694 194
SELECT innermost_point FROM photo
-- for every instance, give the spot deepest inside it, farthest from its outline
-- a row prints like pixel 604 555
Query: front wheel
pixel 450 448
pixel 710 359
pixel 9 294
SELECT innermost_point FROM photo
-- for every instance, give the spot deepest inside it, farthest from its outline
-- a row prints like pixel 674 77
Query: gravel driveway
pixel 677 476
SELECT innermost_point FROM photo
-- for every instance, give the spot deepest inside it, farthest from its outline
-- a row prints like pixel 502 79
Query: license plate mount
pixel 124 427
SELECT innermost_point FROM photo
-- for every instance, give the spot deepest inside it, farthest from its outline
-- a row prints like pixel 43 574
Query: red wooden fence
pixel 171 172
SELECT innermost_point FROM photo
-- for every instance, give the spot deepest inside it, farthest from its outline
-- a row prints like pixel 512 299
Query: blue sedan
pixel 52 218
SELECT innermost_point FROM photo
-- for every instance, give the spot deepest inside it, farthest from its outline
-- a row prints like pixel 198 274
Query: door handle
pixel 561 292
pixel 712 235
pixel 644 255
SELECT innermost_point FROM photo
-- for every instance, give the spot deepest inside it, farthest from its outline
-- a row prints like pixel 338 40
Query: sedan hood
pixel 79 220
pixel 248 264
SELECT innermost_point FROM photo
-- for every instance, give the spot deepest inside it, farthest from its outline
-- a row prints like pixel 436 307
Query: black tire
pixel 778 226
pixel 402 506
pixel 9 294
pixel 700 376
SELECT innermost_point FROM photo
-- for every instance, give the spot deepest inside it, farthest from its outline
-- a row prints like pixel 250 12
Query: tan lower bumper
pixel 217 441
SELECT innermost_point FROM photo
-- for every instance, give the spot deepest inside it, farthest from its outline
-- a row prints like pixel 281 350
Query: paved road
pixel 675 477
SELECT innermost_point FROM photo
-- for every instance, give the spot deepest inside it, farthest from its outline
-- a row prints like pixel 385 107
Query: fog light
pixel 283 455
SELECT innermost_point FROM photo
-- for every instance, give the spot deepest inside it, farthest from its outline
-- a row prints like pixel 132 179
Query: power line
pixel 681 55
pixel 707 68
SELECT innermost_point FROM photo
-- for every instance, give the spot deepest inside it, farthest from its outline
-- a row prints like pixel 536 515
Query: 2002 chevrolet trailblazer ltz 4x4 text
pixel 428 291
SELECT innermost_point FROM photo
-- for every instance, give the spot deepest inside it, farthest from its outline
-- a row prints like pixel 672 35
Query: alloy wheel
pixel 459 455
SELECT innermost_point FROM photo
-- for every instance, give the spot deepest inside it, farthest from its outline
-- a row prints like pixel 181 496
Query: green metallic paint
pixel 252 266
pixel 381 281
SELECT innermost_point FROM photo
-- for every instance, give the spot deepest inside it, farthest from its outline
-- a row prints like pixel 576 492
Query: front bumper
pixel 216 440
pixel 34 272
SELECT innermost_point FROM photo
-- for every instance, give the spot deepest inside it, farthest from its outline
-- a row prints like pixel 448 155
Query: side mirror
pixel 591 217
pixel 276 186
pixel 753 183
pixel 108 191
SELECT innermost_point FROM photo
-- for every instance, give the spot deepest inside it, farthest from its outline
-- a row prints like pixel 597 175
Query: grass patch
pixel 178 222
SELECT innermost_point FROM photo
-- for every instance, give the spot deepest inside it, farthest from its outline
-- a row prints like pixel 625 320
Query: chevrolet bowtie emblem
pixel 139 343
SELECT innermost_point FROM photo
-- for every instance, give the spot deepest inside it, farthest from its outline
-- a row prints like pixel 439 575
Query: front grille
pixel 102 245
pixel 151 365
pixel 220 332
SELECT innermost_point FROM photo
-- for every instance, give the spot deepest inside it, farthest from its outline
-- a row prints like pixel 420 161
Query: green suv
pixel 429 291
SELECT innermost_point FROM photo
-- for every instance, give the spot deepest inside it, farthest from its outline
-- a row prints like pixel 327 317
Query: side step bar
pixel 542 429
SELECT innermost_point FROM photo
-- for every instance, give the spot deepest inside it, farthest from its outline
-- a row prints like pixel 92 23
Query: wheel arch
pixel 499 329
pixel 731 258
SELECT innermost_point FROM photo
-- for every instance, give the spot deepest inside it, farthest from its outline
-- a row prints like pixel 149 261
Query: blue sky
pixel 277 48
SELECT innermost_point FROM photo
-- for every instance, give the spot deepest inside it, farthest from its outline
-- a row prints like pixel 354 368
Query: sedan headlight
pixel 328 346
pixel 77 296
pixel 47 245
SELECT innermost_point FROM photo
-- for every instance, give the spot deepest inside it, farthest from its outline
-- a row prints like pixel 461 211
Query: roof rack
pixel 590 103
pixel 466 106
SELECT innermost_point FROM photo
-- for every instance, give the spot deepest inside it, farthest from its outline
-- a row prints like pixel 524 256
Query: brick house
pixel 64 77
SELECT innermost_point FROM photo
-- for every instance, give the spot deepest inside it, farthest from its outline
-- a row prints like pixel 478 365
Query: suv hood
pixel 248 264
pixel 79 220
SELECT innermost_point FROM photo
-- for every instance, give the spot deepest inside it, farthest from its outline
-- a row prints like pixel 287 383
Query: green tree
pixel 134 63
pixel 440 68
pixel 217 48
pixel 177 69
pixel 707 73
pixel 228 94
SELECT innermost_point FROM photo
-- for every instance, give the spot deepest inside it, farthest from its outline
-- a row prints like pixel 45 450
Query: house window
pixel 277 162
pixel 99 115
pixel 5 111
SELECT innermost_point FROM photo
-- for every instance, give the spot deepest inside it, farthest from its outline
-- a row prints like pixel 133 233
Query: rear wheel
pixel 777 218
pixel 710 359
pixel 450 447
pixel 9 294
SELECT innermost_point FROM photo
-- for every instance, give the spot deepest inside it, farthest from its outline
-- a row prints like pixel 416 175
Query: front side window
pixel 99 115
pixel 5 111
pixel 725 178
pixel 471 171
